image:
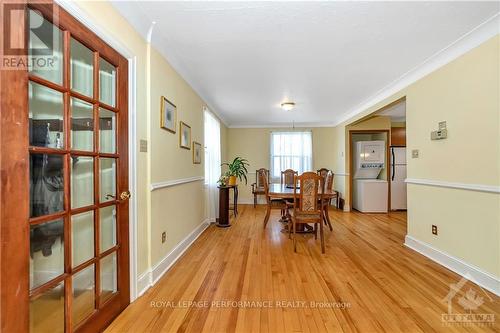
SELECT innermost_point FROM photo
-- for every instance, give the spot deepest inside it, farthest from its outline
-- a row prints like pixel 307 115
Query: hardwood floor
pixel 384 286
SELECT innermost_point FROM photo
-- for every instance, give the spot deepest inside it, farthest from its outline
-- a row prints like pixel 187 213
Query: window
pixel 212 148
pixel 212 162
pixel 290 150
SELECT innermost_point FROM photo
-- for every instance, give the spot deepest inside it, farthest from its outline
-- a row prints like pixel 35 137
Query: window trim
pixel 271 165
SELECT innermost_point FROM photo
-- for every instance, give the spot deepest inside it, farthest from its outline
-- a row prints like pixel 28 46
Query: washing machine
pixel 370 195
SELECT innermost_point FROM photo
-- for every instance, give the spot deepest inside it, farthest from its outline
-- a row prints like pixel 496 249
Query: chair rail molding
pixel 343 174
pixel 460 186
pixel 174 182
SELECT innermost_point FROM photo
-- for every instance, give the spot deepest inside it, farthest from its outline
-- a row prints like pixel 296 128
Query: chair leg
pixel 294 238
pixel 315 231
pixel 322 236
pixel 327 215
pixel 268 212
pixel 254 200
pixel 290 226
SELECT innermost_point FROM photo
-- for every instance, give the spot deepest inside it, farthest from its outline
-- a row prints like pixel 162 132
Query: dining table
pixel 286 192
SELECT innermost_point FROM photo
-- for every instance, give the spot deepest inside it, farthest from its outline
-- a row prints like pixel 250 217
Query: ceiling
pixel 397 112
pixel 245 58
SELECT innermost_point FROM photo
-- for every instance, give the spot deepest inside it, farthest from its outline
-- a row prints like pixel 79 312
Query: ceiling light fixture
pixel 287 106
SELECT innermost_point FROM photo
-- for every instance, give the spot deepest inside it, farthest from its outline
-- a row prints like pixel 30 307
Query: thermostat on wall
pixel 440 134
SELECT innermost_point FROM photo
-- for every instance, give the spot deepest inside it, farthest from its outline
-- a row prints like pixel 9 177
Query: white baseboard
pixel 143 283
pixel 470 272
pixel 151 276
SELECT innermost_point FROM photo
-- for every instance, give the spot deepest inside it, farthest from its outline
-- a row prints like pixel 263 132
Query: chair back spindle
pixel 287 177
pixel 261 176
pixel 322 172
pixel 307 199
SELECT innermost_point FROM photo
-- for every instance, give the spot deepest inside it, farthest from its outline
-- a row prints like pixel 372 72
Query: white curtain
pixel 290 150
pixel 212 163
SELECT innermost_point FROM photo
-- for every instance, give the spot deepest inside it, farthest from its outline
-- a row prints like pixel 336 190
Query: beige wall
pixel 398 124
pixel 328 149
pixel 254 145
pixel 465 93
pixel 177 210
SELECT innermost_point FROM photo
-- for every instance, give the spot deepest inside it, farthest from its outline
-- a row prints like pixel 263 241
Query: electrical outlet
pixel 434 229
pixel 163 237
pixel 414 153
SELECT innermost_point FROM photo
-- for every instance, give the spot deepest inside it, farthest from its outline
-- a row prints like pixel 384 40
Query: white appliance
pixel 369 159
pixel 398 176
pixel 370 195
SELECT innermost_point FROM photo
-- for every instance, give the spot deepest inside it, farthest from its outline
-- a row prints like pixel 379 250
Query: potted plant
pixel 237 169
pixel 223 180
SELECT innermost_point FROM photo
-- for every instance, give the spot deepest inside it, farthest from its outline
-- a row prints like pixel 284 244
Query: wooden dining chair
pixel 261 176
pixel 326 202
pixel 307 207
pixel 322 172
pixel 274 204
pixel 287 177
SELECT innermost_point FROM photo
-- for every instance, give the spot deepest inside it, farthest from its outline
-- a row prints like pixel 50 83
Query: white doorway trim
pixel 72 8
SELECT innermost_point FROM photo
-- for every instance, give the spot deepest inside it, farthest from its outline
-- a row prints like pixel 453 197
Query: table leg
pixel 268 212
pixel 235 199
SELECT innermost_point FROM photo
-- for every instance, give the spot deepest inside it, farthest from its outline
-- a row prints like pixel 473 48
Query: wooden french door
pixel 64 176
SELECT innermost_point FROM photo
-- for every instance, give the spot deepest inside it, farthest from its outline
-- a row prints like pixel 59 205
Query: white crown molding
pixel 169 183
pixel 468 41
pixel 470 272
pixel 464 44
pixel 153 275
pixel 460 186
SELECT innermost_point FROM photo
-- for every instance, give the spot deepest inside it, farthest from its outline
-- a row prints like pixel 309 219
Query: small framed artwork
pixel 196 152
pixel 184 135
pixel 168 115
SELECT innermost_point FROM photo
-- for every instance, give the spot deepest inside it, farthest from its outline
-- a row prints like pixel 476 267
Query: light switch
pixel 442 125
pixel 143 146
pixel 414 153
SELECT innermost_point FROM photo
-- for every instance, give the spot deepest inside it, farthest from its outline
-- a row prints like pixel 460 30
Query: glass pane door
pixel 75 162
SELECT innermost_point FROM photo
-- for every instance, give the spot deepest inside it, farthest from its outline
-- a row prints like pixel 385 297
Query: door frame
pixel 387 158
pixel 85 19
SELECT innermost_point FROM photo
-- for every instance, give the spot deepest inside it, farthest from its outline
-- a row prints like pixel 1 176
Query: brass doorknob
pixel 125 195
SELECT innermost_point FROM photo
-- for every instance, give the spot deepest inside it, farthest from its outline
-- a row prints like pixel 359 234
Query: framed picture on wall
pixel 168 115
pixel 184 135
pixel 196 152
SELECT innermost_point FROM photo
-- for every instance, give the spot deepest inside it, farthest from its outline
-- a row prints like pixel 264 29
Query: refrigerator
pixel 398 176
